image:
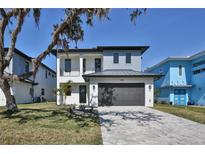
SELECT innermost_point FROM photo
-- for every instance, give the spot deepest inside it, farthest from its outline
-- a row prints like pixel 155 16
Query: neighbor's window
pixel 26 66
pixel 196 71
pixel 46 74
pixel 67 65
pixel 180 70
pixel 116 58
pixel 160 71
pixel 128 58
pixel 42 91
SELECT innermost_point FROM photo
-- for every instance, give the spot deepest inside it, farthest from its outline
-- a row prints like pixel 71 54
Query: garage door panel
pixel 129 94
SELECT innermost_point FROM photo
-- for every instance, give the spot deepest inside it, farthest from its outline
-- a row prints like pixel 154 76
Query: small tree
pixel 64 90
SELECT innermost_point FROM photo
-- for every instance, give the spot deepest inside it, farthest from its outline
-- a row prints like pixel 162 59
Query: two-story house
pixel 183 80
pixel 28 91
pixel 105 75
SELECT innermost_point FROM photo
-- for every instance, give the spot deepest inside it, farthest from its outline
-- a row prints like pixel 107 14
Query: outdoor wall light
pixel 93 88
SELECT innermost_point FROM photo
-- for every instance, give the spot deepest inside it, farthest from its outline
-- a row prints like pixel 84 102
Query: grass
pixel 47 123
pixel 193 113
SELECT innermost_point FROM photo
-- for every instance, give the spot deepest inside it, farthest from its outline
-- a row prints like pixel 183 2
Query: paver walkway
pixel 143 125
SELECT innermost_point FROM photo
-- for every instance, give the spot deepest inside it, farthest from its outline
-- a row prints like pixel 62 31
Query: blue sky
pixel 168 32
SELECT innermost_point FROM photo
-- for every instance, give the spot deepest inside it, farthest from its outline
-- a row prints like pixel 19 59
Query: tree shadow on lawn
pixel 139 118
pixel 25 115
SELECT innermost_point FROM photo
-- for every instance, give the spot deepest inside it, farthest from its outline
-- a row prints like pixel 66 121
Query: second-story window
pixel 128 58
pixel 26 66
pixel 180 70
pixel 84 65
pixel 46 74
pixel 115 58
pixel 67 65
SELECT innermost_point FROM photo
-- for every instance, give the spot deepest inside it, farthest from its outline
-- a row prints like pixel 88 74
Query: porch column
pixel 81 64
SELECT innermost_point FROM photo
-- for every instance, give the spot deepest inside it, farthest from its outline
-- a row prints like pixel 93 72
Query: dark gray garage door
pixel 121 94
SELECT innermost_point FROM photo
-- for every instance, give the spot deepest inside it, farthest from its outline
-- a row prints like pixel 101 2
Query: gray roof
pixel 100 49
pixel 121 73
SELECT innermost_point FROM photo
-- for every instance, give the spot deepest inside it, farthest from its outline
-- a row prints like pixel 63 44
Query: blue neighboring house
pixel 183 80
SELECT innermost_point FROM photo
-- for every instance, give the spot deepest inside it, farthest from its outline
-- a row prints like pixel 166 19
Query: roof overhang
pixel 100 49
pixel 121 74
pixel 167 60
pixel 142 49
pixel 177 86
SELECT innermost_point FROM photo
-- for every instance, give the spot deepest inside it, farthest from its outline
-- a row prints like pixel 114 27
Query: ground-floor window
pixel 42 91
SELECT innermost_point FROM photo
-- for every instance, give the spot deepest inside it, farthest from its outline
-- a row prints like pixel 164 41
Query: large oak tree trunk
pixel 10 100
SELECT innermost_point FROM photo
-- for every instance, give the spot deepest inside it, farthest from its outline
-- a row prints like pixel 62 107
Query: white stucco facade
pixel 76 75
pixel 108 60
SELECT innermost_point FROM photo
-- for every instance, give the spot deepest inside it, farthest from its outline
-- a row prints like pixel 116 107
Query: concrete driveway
pixel 142 125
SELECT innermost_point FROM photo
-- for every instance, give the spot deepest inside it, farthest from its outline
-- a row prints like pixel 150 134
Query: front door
pixel 97 65
pixel 180 97
pixel 82 93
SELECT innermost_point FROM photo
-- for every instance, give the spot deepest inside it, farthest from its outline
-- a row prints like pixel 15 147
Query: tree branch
pixel 21 15
pixel 14 77
pixel 38 60
pixel 3 13
pixel 3 23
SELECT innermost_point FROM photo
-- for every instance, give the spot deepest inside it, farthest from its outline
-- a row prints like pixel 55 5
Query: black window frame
pixel 116 58
pixel 84 65
pixel 67 65
pixel 128 57
pixel 180 70
pixel 42 92
pixel 46 74
pixel 196 71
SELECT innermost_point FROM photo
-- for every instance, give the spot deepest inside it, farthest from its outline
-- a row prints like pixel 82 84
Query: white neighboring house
pixel 29 91
pixel 104 76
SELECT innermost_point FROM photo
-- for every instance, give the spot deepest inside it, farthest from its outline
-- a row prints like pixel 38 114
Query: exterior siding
pixel 2 98
pixel 164 80
pixel 48 84
pixel 21 91
pixel 175 78
pixel 19 64
pixel 198 81
pixel 135 60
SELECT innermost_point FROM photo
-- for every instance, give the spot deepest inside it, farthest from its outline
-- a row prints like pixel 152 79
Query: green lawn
pixel 190 112
pixel 47 123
